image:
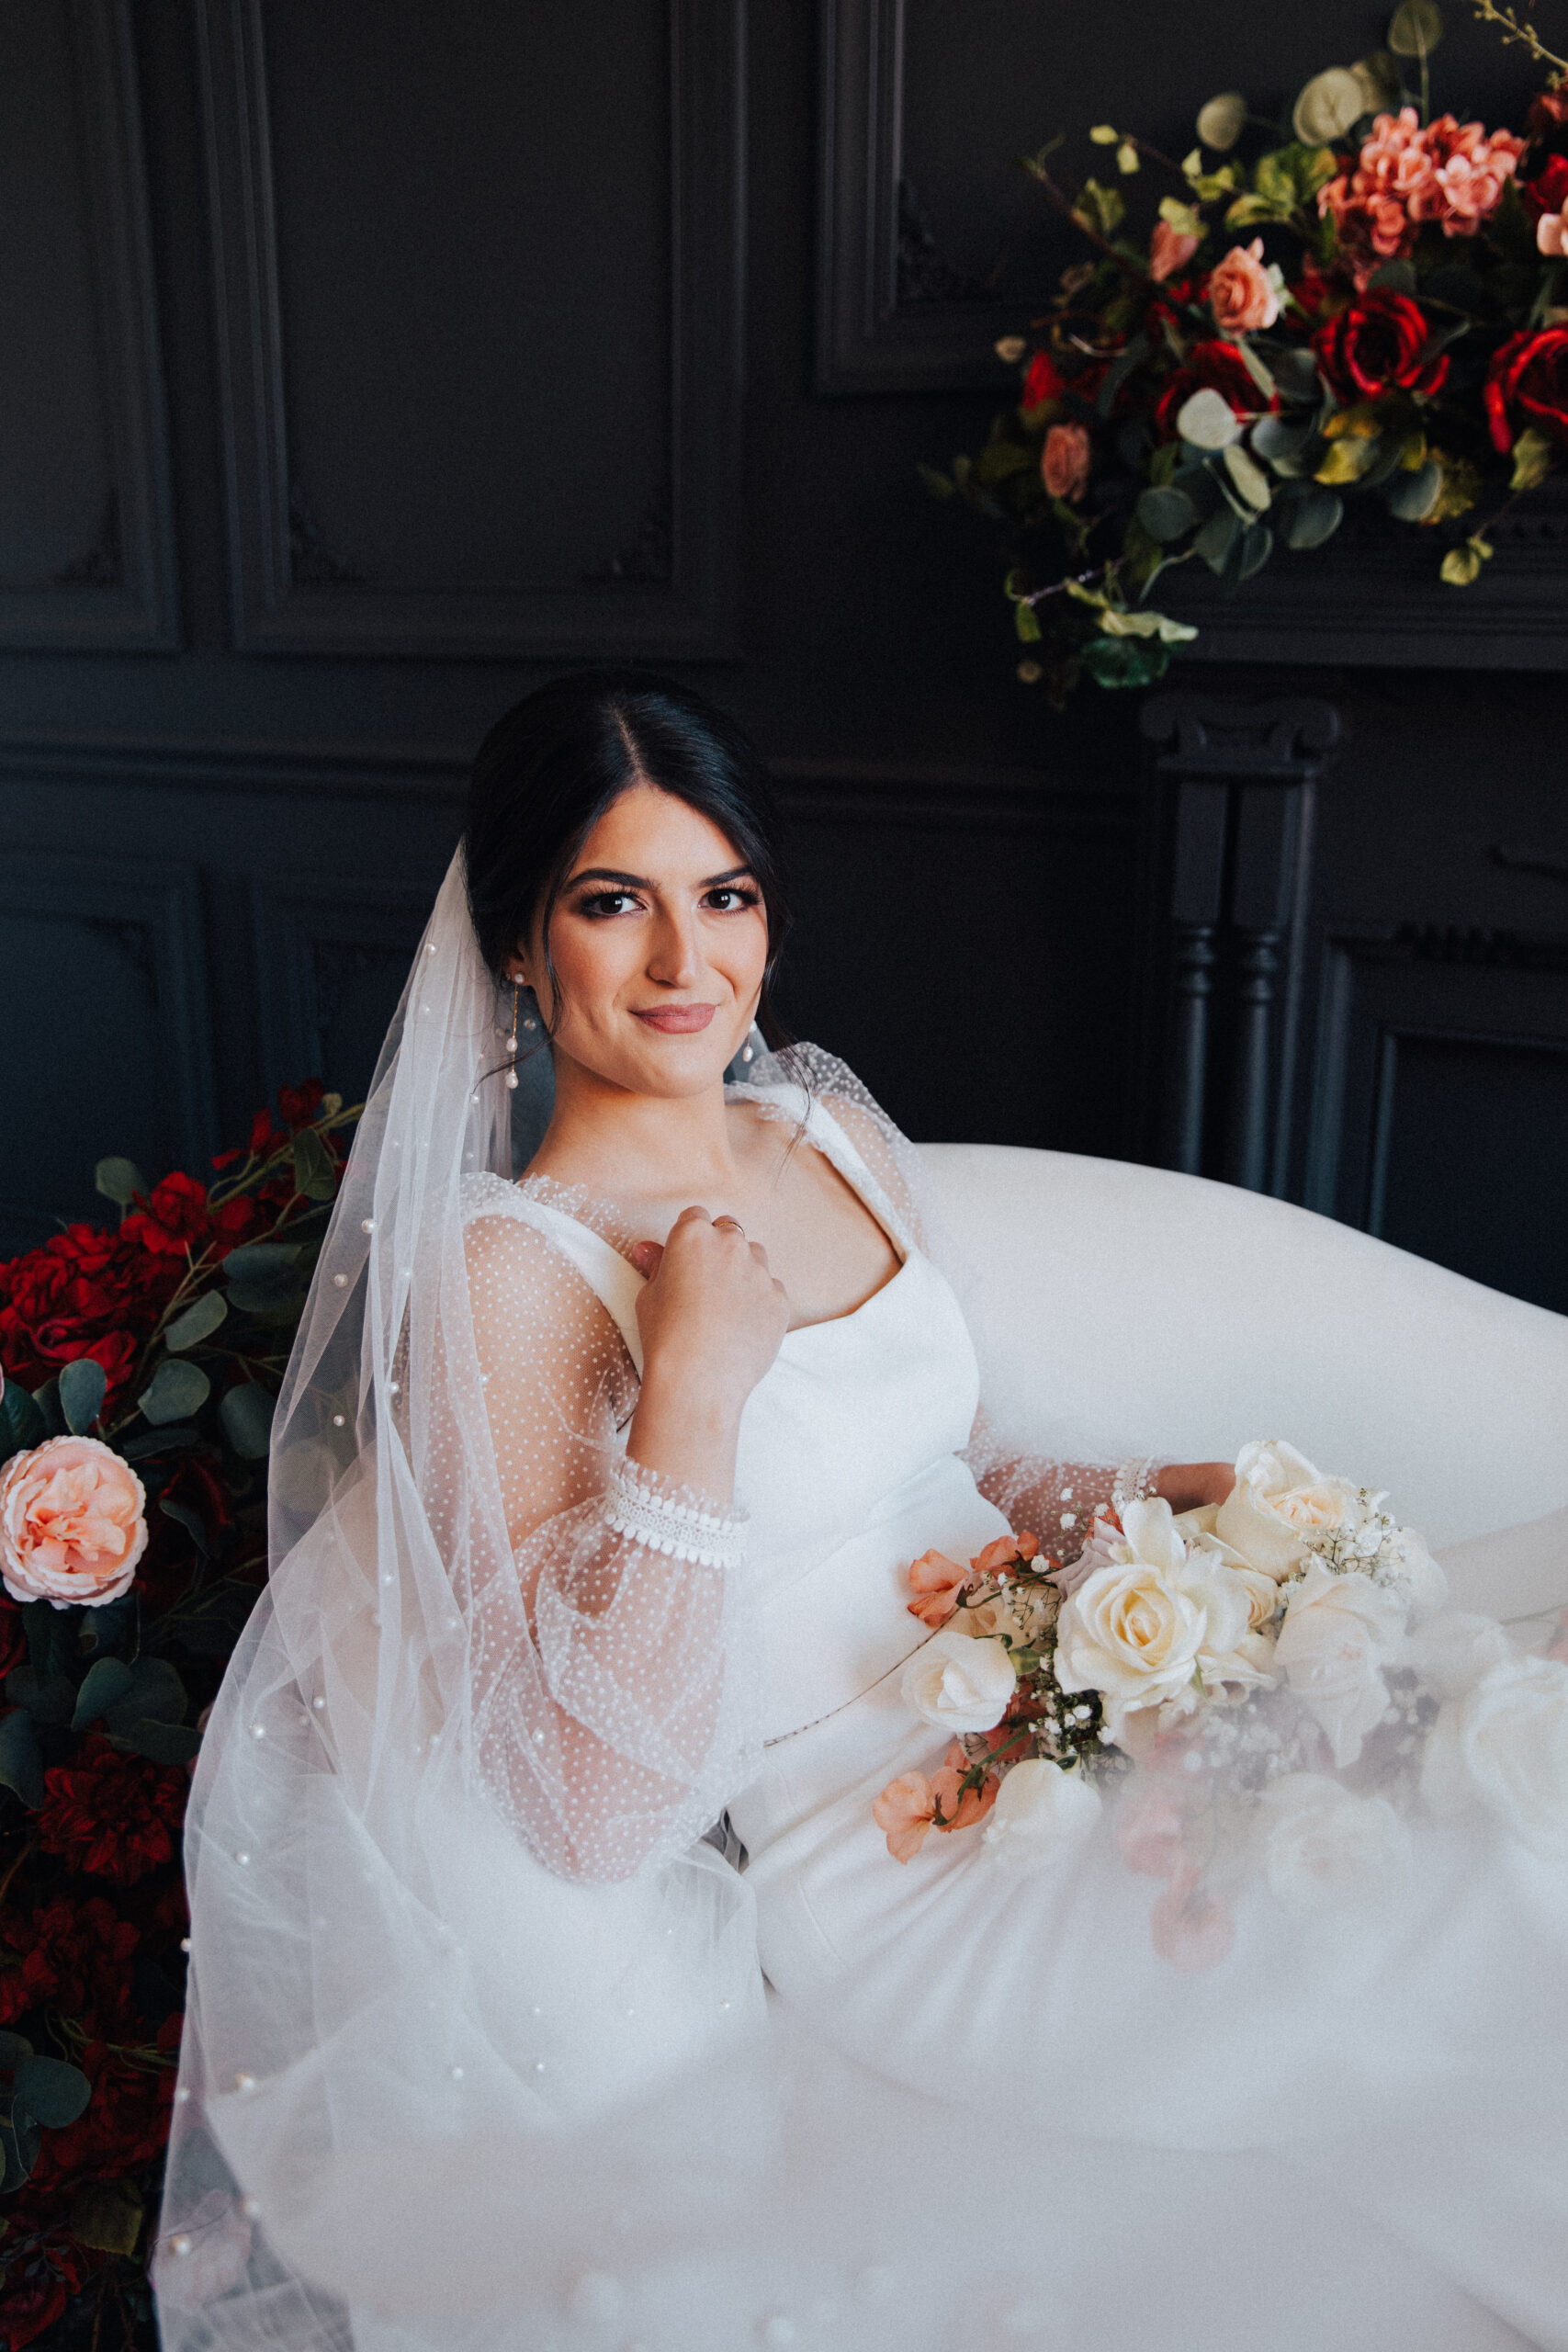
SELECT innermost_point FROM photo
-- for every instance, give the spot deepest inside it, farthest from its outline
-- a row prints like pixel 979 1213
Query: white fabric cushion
pixel 1123 1309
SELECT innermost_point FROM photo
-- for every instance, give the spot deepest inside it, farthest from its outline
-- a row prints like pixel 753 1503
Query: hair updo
pixel 548 771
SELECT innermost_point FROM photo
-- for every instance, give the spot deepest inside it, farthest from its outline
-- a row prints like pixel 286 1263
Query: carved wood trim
pixel 682 606
pixel 120 594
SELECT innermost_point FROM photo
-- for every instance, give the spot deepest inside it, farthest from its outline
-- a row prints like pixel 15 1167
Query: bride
pixel 551 1981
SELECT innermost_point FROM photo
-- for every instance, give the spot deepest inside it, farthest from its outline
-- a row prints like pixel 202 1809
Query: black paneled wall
pixel 359 364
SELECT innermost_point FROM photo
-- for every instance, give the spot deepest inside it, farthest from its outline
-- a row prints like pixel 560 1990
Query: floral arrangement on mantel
pixel 1374 309
pixel 140 1365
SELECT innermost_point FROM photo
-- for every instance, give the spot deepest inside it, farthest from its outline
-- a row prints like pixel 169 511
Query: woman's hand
pixel 1192 1485
pixel 712 1319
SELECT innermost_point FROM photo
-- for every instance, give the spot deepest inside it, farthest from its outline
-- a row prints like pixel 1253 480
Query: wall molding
pixel 887 318
pixel 118 594
pixel 291 595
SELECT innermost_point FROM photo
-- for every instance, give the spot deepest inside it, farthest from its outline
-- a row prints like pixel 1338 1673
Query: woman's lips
pixel 679 1020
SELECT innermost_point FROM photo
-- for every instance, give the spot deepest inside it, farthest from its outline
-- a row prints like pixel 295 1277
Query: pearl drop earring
pixel 511 1041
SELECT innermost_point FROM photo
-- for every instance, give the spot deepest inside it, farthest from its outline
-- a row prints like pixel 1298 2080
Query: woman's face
pixel 659 939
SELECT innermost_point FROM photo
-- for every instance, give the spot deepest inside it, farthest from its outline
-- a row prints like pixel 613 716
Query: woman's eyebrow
pixel 640 881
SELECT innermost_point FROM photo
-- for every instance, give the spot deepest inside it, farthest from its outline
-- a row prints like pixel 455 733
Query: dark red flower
pixel 32 2300
pixel 74 1956
pixel 299 1104
pixel 1527 384
pixel 124 2124
pixel 1378 344
pixel 1548 192
pixel 1548 113
pixel 1212 365
pixel 175 1217
pixel 83 1292
pixel 1042 381
pixel 111 1814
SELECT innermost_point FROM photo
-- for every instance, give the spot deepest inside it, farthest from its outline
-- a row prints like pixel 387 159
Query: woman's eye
pixel 729 899
pixel 607 903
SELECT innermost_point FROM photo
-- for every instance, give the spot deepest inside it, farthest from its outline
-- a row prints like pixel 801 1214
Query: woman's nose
pixel 675 962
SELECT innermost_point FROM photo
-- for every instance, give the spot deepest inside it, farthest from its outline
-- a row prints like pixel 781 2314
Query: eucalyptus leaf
pixel 1295 372
pixel 154 1693
pixel 246 1412
pixel 103 1686
pixel 1134 350
pixel 20 2140
pixel 184 1516
pixel 1395 277
pixel 143 1443
pixel 1206 420
pixel 263 1257
pixel 212 1621
pixel 1248 476
pixel 21 1421
pixel 1412 496
pixel 51 1638
pixel 84 1384
pixel 47 1399
pixel 14 2048
pixel 1280 437
pixel 1314 519
pixel 1222 120
pixel 161 1743
pixel 1165 515
pixel 174 1392
pixel 21 1763
pixel 120 1180
pixel 1415 29
pixel 1217 538
pixel 199 1321
pixel 1257 547
pixel 1260 374
pixel 314 1174
pixel 48 2091
pixel 48 1698
pixel 1332 104
pixel 1379 77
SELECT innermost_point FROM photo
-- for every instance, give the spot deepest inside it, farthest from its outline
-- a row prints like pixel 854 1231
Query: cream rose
pixel 1339 1631
pixel 1452 1652
pixel 960 1683
pixel 72 1523
pixel 1279 1499
pixel 1505 1746
pixel 1130 1630
pixel 1040 1812
pixel 1324 1848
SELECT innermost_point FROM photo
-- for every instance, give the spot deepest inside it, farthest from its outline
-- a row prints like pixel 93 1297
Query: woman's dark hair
pixel 547 773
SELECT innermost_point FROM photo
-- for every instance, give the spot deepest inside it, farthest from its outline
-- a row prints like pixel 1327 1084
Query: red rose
pixel 175 1217
pixel 124 2124
pixel 74 1956
pixel 1378 343
pixel 299 1104
pixel 1548 192
pixel 111 1814
pixel 1214 365
pixel 1527 384
pixel 34 2298
pixel 83 1292
pixel 1042 381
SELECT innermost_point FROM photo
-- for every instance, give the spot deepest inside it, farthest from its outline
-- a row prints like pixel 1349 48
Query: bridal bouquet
pixel 1275 1679
pixel 1362 308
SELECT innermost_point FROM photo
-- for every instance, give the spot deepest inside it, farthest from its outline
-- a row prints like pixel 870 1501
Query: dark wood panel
pixel 478 286
pixel 333 952
pixel 86 547
pixel 108 1030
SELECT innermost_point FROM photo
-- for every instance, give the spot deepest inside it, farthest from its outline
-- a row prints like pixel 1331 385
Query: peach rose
pixel 1064 461
pixel 72 1523
pixel 1169 250
pixel 1241 292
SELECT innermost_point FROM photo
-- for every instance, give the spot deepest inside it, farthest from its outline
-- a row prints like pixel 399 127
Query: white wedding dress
pixel 1420 2052
pixel 488 2049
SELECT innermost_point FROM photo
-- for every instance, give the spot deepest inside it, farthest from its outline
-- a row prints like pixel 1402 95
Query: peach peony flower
pixel 936 1582
pixel 1447 172
pixel 1551 234
pixel 72 1523
pixel 1064 461
pixel 1169 250
pixel 1241 295
pixel 904 1811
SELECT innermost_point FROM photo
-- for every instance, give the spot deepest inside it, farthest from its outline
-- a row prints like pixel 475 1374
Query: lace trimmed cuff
pixel 640 1504
pixel 1135 1479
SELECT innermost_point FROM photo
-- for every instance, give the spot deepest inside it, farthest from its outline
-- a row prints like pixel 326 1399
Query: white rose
pixel 1130 1631
pixel 1231 1651
pixel 1323 1847
pixel 1279 1499
pixel 1454 1649
pixel 1338 1633
pixel 1426 1588
pixel 1506 1745
pixel 958 1683
pixel 1040 1812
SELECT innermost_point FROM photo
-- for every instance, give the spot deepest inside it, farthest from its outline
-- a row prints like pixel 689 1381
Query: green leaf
pixel 154 1694
pixel 1348 457
pixel 1255 367
pixel 48 2091
pixel 1099 208
pixel 47 1399
pixel 21 1764
pixel 1165 515
pixel 1217 538
pixel 1314 519
pixel 1221 121
pixel 108 2216
pixel 51 1638
pixel 1295 372
pixel 174 1392
pixel 1028 627
pixel 263 1257
pixel 20 2142
pixel 1415 29
pixel 48 1699
pixel 162 1742
pixel 83 1386
pixel 184 1516
pixel 246 1412
pixel 143 1443
pixel 120 1180
pixel 1134 350
pixel 1331 105
pixel 199 1321
pixel 1248 476
pixel 1412 496
pixel 21 1421
pixel 103 1686
pixel 1257 547
pixel 14 2048
pixel 1533 455
pixel 940 485
pixel 1280 440
pixel 1206 420
pixel 1125 660
pixel 1459 568
pixel 209 1624
pixel 314 1174
pixel 1395 277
